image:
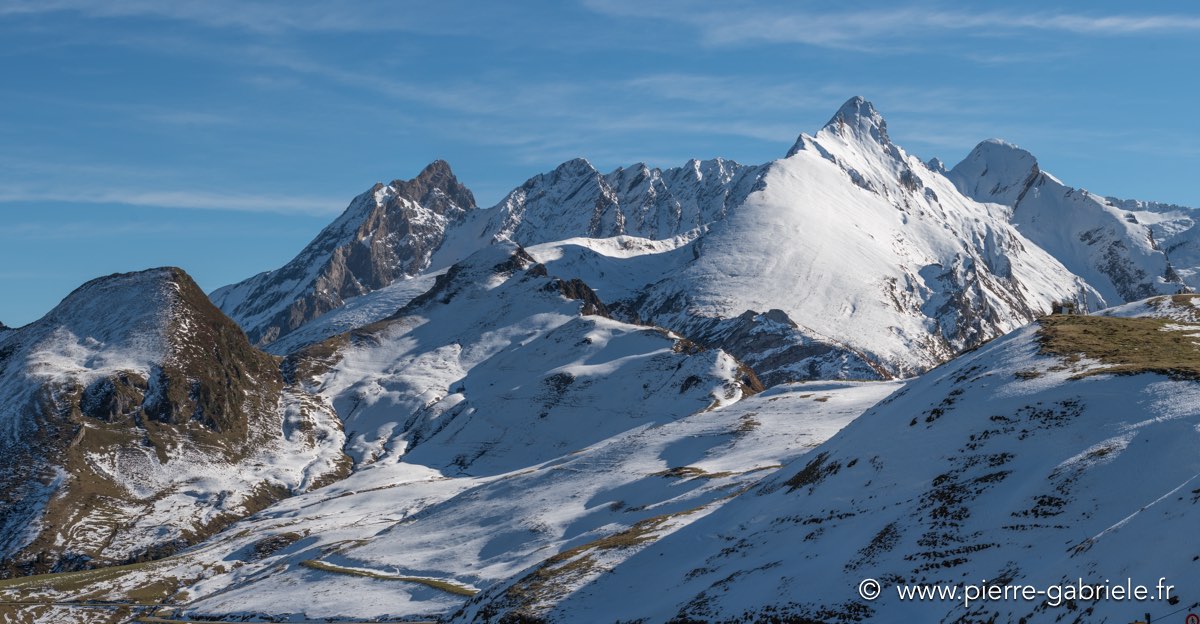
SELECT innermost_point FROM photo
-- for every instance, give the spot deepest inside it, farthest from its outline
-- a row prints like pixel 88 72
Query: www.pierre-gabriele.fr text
pixel 1054 594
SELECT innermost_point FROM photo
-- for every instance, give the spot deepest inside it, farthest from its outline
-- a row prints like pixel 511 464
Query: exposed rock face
pixel 575 289
pixel 577 200
pixel 389 232
pixel 139 419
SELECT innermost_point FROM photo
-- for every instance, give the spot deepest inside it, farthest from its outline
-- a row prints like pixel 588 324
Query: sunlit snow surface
pixel 970 473
pixel 477 531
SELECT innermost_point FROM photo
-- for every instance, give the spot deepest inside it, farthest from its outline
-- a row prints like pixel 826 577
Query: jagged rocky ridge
pixel 387 233
pixel 137 419
pixel 748 258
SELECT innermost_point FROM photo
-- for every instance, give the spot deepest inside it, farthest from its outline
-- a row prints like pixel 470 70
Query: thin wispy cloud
pixel 247 15
pixel 190 118
pixel 184 199
pixel 883 28
pixel 77 230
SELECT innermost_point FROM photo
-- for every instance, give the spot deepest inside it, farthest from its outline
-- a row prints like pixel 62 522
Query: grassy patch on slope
pixel 1125 346
pixel 71 582
pixel 447 587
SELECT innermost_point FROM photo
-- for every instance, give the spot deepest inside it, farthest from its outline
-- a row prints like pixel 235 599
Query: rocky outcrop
pixel 141 420
pixel 575 199
pixel 388 232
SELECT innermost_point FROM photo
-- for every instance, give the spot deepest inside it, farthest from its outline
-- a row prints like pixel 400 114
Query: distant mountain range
pixel 718 392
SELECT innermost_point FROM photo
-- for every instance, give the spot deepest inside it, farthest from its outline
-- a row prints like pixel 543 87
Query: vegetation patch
pixel 691 472
pixel 268 546
pixel 813 473
pixel 1124 346
pixel 67 582
pixel 445 586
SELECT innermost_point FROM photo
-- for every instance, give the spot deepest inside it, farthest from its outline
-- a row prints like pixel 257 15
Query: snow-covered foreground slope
pixel 1020 463
pixel 306 557
pixel 1124 250
pixel 136 419
pixel 497 420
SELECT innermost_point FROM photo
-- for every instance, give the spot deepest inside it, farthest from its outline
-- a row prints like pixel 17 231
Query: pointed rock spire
pixel 858 117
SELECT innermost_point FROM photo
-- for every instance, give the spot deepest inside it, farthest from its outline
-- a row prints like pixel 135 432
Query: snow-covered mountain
pixel 485 371
pixel 846 259
pixel 386 234
pixel 860 246
pixel 1047 456
pixel 622 397
pixel 1123 249
pixel 137 418
pixel 577 200
pixel 502 392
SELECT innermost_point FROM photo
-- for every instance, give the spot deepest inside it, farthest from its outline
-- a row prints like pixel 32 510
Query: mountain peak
pixel 995 171
pixel 385 233
pixel 436 176
pixel 436 167
pixel 576 166
pixel 120 302
pixel 859 117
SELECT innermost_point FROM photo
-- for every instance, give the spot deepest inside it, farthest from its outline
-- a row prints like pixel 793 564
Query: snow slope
pixel 404 520
pixel 356 312
pixel 497 342
pixel 1007 465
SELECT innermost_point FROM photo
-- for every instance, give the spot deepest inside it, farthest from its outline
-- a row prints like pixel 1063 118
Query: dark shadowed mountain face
pixel 387 233
pixel 137 419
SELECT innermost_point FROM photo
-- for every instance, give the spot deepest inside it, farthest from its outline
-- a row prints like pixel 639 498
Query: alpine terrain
pixel 712 393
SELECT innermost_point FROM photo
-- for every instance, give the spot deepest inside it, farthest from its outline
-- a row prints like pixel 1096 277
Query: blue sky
pixel 221 135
